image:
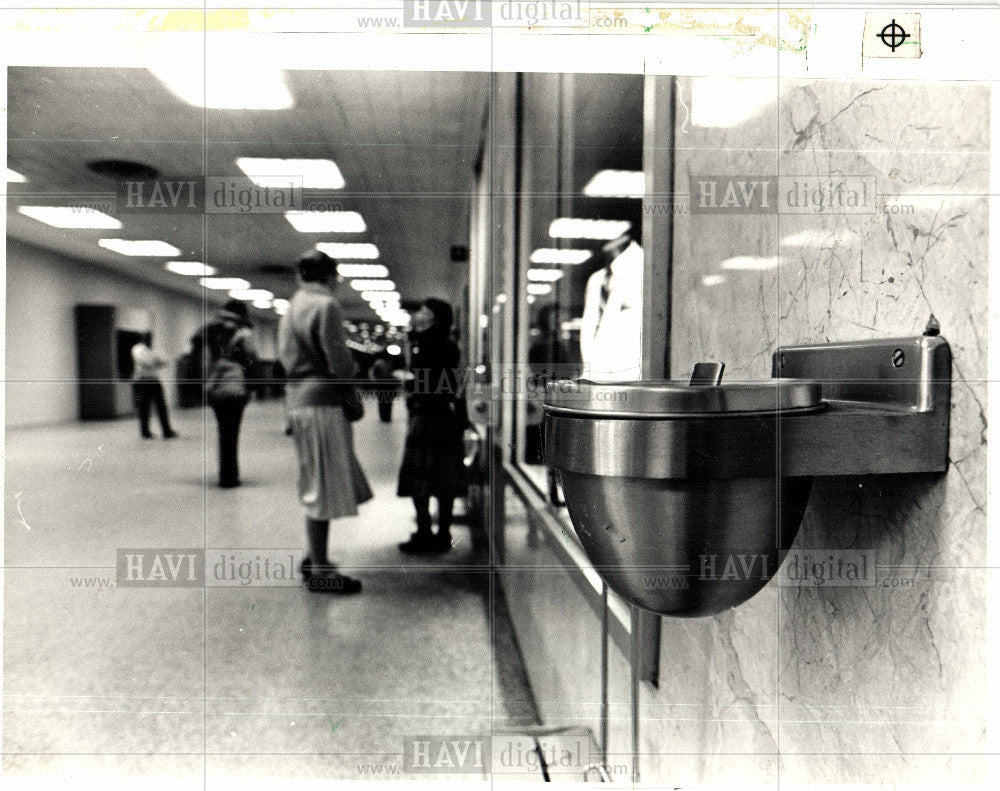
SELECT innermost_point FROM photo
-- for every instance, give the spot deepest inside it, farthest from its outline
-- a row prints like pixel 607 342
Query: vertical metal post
pixel 657 224
pixel 605 692
pixel 634 645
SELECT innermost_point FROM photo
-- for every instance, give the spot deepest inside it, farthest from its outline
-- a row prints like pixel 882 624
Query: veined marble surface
pixel 879 684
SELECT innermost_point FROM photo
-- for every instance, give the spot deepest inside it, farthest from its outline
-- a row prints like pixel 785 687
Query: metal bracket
pixel 889 405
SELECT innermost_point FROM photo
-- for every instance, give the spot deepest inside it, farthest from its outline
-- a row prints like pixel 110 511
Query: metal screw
pixel 898 358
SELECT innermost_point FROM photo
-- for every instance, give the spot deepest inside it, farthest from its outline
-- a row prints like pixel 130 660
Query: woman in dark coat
pixel 229 335
pixel 432 459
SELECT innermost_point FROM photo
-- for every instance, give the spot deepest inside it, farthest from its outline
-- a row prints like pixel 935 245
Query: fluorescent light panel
pixel 373 285
pixel 341 250
pixel 326 221
pixel 190 268
pixel 70 217
pixel 224 283
pixel 544 275
pixel 139 247
pixel 251 294
pixel 263 304
pixel 539 289
pixel 315 173
pixel 617 184
pixel 226 85
pixel 575 228
pixel 362 270
pixel 550 255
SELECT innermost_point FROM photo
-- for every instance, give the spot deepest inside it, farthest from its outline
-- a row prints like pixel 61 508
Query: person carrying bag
pixel 231 354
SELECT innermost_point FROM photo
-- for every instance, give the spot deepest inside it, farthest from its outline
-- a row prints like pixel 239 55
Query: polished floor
pixel 212 686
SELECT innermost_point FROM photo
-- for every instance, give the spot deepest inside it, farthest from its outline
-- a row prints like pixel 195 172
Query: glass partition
pixel 580 260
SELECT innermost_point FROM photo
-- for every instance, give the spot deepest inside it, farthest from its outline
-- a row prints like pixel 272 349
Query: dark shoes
pixel 326 579
pixel 426 544
pixel 170 435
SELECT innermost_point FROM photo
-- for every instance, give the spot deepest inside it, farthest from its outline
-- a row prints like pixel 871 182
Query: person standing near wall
pixel 433 463
pixel 312 347
pixel 228 342
pixel 147 388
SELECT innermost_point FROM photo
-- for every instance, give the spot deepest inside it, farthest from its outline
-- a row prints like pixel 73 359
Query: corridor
pixel 231 682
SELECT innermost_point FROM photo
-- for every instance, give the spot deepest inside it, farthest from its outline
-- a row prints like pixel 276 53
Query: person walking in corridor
pixel 313 350
pixel 231 356
pixel 433 455
pixel 147 388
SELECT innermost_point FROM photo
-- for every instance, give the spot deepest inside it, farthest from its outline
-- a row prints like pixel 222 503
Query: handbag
pixel 227 380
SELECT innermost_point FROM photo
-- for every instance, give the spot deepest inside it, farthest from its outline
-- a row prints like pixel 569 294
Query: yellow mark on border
pixel 196 20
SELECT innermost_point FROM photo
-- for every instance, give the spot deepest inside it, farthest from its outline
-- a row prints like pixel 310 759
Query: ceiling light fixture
pixel 190 268
pixel 139 247
pixel 544 275
pixel 314 173
pixel 539 289
pixel 70 217
pixel 342 250
pixel 617 184
pixel 362 270
pixel 226 84
pixel 224 283
pixel 373 285
pixel 251 294
pixel 575 228
pixel 326 221
pixel 550 255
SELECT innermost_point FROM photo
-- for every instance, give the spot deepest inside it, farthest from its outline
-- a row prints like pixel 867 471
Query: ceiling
pixel 406 143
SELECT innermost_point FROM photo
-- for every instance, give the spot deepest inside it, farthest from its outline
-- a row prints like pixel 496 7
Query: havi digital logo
pixel 452 13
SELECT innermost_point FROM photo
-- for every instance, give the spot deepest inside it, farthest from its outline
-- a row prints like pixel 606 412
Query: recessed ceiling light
pixel 539 289
pixel 617 184
pixel 373 285
pixel 70 217
pixel 225 86
pixel 362 270
pixel 251 294
pixel 191 268
pixel 340 250
pixel 326 221
pixel 544 275
pixel 315 173
pixel 280 306
pixel 575 228
pixel 224 283
pixel 13 177
pixel 713 280
pixel 263 304
pixel 549 255
pixel 139 247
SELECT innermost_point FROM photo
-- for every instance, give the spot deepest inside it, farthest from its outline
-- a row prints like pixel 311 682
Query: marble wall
pixel 878 684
